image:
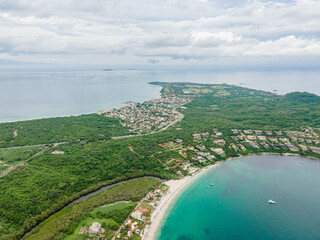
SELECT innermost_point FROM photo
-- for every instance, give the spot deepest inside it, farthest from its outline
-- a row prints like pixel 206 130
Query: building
pixel 217 150
pixel 57 152
pixel 95 229
pixel 138 215
pixel 196 136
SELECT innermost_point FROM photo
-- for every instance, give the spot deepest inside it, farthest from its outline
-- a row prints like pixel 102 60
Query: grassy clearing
pixel 111 207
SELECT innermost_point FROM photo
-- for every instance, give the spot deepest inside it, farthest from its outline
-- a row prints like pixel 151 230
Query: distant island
pixel 47 164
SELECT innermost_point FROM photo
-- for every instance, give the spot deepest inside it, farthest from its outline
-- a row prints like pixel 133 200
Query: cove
pixel 236 205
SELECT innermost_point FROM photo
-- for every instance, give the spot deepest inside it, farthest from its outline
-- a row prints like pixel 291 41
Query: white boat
pixel 271 202
pixel 211 184
pixel 207 186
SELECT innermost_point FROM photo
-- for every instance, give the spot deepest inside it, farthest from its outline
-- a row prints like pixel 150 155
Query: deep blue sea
pixel 236 206
pixel 31 94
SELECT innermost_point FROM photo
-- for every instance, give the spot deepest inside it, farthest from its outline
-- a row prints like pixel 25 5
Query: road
pixel 6 172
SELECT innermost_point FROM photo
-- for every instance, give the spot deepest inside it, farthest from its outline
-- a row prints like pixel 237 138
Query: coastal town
pixel 149 116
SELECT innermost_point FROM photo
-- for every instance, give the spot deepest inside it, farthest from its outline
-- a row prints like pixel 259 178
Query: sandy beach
pixel 176 187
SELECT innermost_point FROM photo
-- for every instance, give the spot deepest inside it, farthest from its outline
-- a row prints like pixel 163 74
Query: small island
pixel 47 165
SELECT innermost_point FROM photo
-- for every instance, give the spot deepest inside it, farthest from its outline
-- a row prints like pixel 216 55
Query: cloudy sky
pixel 161 31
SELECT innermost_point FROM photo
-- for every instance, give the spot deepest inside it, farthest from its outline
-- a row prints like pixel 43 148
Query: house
pixel 303 147
pixel 262 138
pixel 57 152
pixel 196 136
pixel 234 147
pixel 201 147
pixel 217 150
pixel 264 144
pixel 179 140
pixel 247 131
pixel 272 139
pixel 138 215
pixel 294 138
pixel 284 140
pixel 242 147
pixel 251 137
pixel 240 137
pixel 219 142
pixel 269 133
pixel 95 229
pixel 158 191
pixel 199 158
pixel 210 157
pixel 205 134
pixel 254 144
pixel 315 149
pixel 130 234
pixel 293 147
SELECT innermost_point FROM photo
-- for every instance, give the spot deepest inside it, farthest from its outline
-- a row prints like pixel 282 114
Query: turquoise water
pixel 27 94
pixel 236 206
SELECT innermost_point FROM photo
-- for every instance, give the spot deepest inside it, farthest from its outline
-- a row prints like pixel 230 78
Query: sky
pixel 282 33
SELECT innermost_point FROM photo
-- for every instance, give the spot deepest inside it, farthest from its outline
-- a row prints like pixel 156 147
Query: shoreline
pixel 176 187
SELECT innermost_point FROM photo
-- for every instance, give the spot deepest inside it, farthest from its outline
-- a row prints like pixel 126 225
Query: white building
pixel 95 229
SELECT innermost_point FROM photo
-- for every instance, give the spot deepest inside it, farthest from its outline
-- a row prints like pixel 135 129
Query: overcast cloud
pixel 155 32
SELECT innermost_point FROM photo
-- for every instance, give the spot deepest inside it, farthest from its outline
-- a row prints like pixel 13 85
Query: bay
pixel 236 206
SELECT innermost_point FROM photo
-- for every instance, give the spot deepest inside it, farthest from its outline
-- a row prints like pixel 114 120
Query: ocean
pixel 236 206
pixel 27 94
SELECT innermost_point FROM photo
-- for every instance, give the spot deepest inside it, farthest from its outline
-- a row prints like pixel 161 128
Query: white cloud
pixel 137 31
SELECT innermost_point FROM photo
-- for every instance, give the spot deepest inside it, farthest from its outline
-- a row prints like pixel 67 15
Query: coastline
pixel 176 187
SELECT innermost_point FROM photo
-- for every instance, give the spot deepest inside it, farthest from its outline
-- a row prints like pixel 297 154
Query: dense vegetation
pixel 32 193
pixel 60 129
pixel 246 108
